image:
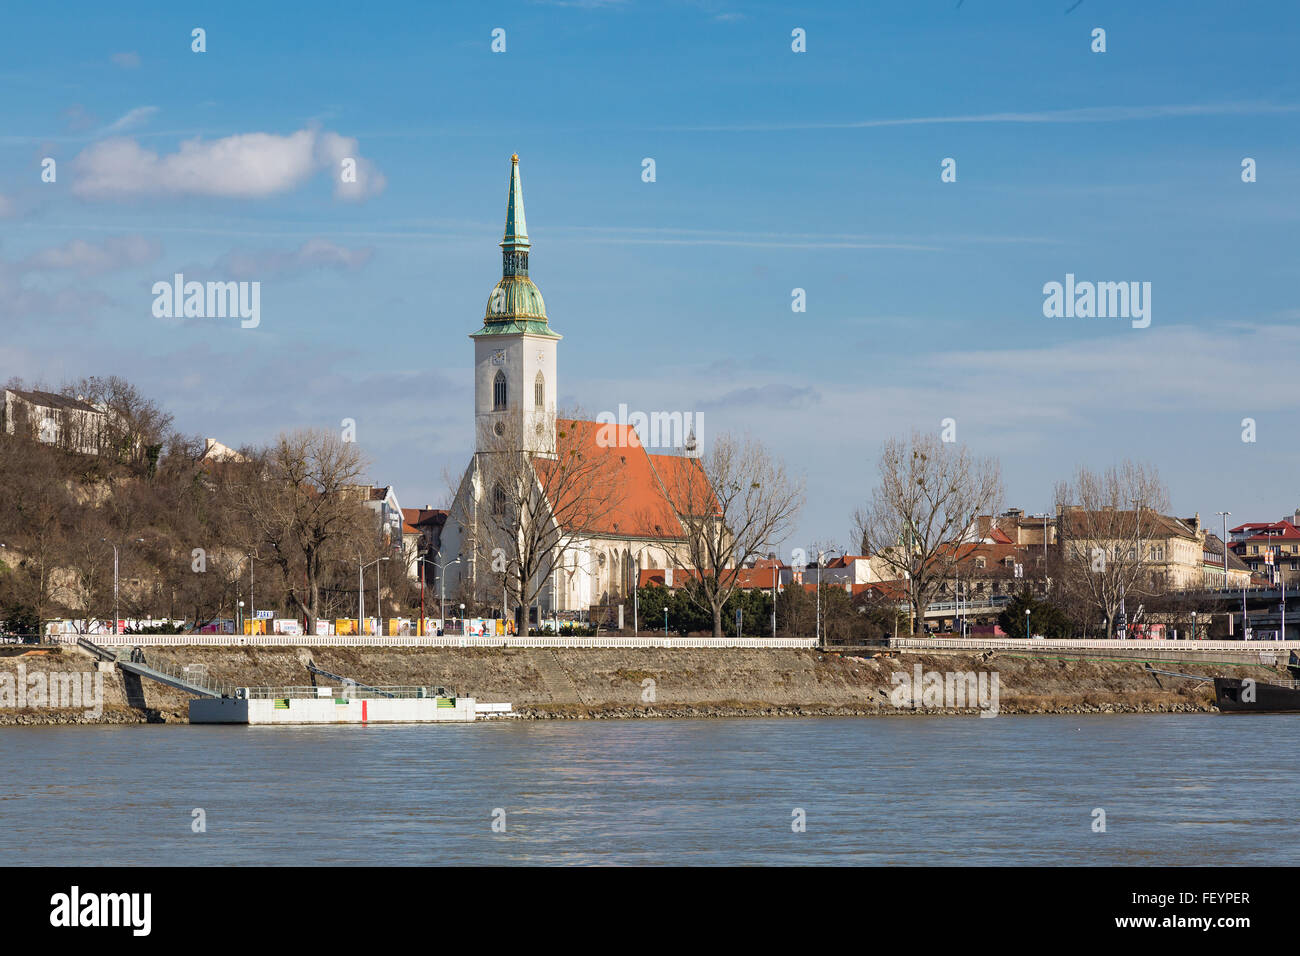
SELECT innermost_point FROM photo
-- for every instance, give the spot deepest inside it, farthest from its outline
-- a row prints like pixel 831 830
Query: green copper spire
pixel 515 304
pixel 516 237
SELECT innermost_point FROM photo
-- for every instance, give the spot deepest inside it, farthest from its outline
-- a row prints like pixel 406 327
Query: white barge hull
pixel 370 710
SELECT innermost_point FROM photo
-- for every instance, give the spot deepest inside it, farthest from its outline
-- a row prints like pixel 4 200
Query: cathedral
pixel 585 544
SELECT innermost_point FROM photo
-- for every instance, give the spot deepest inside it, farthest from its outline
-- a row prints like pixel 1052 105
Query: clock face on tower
pixel 541 357
pixel 499 357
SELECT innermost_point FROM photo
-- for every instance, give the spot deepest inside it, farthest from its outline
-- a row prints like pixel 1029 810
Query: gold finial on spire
pixel 514 158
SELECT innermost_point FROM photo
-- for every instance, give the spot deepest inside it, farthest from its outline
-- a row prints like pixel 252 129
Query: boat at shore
pixel 353 704
pixel 1235 695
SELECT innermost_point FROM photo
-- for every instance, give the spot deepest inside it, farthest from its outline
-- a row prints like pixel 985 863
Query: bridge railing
pixel 448 640
pixel 1094 644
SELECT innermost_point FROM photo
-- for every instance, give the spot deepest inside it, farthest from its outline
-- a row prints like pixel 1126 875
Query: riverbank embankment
pixel 649 682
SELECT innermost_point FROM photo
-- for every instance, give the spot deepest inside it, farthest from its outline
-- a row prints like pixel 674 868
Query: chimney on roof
pixel 1196 522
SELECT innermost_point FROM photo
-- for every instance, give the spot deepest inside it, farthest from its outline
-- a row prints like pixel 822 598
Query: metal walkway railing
pixel 179 676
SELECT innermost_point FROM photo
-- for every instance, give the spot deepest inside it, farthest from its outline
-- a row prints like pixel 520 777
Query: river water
pixel 1180 789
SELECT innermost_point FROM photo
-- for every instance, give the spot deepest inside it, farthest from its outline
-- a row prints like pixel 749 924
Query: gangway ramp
pixel 132 660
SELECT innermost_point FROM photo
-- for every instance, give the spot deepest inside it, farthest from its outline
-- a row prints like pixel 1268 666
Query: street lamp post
pixel 1224 515
pixel 252 605
pixel 819 598
pixel 116 614
pixel 820 554
pixel 776 564
pixel 361 593
pixel 636 586
pixel 1027 610
pixel 442 590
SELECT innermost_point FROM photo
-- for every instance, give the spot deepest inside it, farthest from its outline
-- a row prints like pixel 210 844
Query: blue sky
pixel 775 170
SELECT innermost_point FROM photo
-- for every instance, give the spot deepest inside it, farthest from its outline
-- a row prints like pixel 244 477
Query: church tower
pixel 514 352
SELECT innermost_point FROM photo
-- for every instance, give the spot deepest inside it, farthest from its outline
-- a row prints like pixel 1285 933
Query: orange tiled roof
pixel 746 579
pixel 638 480
pixel 889 590
pixel 685 485
pixel 417 516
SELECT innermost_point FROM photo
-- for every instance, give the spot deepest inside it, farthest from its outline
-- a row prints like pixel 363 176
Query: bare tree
pixel 928 499
pixel 136 427
pixel 732 502
pixel 1105 522
pixel 535 509
pixel 298 502
pixel 35 512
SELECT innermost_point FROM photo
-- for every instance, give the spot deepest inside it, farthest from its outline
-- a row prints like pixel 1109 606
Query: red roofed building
pixel 598 538
pixel 1255 543
pixel 422 540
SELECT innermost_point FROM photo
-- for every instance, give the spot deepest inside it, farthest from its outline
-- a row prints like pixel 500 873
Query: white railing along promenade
pixel 1092 644
pixel 448 640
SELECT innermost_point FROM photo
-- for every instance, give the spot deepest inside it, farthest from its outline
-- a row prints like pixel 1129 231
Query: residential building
pixel 1269 548
pixel 52 419
pixel 214 450
pixel 1178 552
pixel 382 500
pixel 1239 575
pixel 422 541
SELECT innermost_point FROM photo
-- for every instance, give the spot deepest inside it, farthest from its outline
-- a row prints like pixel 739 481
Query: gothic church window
pixel 499 392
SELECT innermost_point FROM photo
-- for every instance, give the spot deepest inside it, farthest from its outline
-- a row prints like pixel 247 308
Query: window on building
pixel 499 392
pixel 498 500
pixel 539 391
pixel 979 562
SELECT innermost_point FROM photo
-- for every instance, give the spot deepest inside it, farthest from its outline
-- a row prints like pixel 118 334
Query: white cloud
pixel 243 166
pixel 778 395
pixel 1085 114
pixel 332 150
pixel 127 61
pixel 131 119
pixel 36 305
pixel 312 254
pixel 89 258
